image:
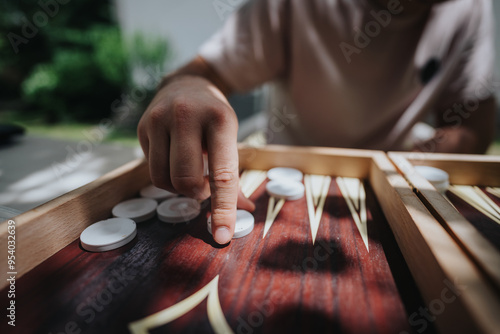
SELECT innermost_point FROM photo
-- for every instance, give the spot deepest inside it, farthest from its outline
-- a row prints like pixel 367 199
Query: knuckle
pixel 179 103
pixel 186 184
pixel 157 114
pixel 223 174
pixel 161 181
pixel 142 133
pixel 182 114
pixel 222 216
pixel 223 116
pixel 224 178
pixel 223 211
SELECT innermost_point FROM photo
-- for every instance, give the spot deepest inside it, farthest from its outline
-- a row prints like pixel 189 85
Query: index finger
pixel 223 164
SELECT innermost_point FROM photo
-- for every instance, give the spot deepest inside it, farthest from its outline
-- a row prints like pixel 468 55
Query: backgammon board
pixel 361 252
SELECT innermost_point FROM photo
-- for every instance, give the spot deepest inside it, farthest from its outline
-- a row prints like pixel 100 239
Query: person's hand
pixel 187 117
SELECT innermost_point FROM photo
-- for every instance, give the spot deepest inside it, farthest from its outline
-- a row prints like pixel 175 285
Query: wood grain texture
pixel 43 231
pixel 436 261
pixel 310 160
pixel 282 283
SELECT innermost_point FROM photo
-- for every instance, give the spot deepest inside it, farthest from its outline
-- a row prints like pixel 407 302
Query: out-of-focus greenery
pixel 87 70
pixel 494 148
pixel 148 51
pixel 76 65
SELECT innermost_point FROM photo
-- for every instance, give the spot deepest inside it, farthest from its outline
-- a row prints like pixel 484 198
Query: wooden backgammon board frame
pixel 435 258
pixel 470 170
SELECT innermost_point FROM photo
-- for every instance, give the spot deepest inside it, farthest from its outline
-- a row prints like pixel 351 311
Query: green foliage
pixel 76 65
pixel 147 51
pixel 88 69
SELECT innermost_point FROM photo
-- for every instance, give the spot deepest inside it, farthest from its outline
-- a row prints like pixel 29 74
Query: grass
pixel 69 131
pixel 494 148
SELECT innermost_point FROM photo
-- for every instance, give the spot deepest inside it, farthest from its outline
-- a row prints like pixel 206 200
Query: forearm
pixel 197 67
pixel 472 133
pixel 454 140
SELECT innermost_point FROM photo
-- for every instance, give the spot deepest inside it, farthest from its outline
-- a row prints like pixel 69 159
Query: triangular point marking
pixel 477 199
pixel 354 194
pixel 273 209
pixel 214 310
pixel 317 187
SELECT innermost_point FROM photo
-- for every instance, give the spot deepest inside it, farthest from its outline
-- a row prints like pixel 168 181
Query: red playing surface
pixel 282 283
pixel 487 227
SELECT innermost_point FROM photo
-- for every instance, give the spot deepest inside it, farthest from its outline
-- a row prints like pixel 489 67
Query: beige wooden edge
pixel 441 269
pixel 469 238
pixel 310 160
pixel 45 230
pixel 466 169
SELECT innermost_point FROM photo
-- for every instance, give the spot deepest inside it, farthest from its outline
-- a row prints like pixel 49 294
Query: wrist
pixel 452 140
pixel 171 78
pixel 197 68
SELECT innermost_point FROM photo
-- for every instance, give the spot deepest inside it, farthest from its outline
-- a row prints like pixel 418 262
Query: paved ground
pixel 34 170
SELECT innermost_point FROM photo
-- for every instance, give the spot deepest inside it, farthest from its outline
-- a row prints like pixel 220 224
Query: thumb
pixel 244 203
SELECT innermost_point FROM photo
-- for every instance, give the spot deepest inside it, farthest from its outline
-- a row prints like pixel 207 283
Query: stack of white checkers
pixel 285 183
pixel 113 233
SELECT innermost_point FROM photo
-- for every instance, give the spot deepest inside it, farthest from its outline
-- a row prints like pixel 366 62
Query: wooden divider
pixel 436 261
pixel 466 235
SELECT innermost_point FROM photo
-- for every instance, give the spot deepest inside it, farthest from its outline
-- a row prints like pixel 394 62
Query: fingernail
pixel 222 235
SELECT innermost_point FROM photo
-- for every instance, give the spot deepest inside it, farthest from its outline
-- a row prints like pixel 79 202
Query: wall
pixel 185 23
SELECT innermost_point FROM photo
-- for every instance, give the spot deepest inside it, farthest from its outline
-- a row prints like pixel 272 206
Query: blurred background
pixel 64 66
pixel 75 76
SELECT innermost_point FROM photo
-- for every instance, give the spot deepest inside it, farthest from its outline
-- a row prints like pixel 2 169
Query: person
pixel 345 73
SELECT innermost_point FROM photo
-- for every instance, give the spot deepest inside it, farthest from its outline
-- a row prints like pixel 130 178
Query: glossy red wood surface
pixel 278 284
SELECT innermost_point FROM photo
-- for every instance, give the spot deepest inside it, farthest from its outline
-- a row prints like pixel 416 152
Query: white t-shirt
pixel 351 73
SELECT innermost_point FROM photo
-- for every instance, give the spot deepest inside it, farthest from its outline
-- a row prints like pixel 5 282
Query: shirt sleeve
pixel 473 80
pixel 249 49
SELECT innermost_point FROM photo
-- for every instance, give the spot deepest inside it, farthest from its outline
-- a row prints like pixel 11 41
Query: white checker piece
pixel 156 193
pixel 137 209
pixel 280 173
pixel 108 234
pixel 286 189
pixel 437 177
pixel 245 223
pixel 178 210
